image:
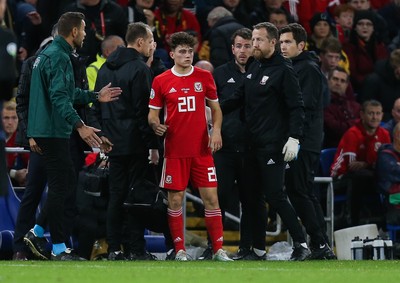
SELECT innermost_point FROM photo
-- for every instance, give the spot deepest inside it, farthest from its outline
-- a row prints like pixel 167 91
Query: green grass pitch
pixel 202 272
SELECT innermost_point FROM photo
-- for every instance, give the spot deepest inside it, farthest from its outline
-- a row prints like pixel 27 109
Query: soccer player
pixel 183 91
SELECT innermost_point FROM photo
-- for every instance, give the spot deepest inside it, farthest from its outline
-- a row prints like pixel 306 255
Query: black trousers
pixel 299 181
pixel 265 176
pixel 124 171
pixel 35 185
pixel 230 172
pixel 61 179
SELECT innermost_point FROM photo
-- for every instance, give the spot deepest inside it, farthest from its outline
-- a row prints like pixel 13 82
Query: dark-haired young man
pixel 51 120
pixel 300 173
pixel 183 92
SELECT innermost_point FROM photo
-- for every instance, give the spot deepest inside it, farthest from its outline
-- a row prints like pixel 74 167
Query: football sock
pixel 59 248
pixel 175 222
pixel 213 221
pixel 38 230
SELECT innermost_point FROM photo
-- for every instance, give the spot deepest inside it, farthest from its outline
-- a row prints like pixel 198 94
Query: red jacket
pixel 339 116
pixel 357 145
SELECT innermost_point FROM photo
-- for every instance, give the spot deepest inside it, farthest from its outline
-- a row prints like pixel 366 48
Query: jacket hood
pixel 122 56
pixel 306 55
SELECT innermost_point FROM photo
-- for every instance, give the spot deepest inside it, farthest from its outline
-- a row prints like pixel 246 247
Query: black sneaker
pixel 322 253
pixel 207 254
pixel 253 256
pixel 38 245
pixel 144 256
pixel 170 255
pixel 67 255
pixel 117 255
pixel 241 253
pixel 299 253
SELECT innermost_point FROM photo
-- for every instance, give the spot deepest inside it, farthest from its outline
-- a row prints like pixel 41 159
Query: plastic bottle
pixel 379 249
pixel 388 249
pixel 368 250
pixel 357 249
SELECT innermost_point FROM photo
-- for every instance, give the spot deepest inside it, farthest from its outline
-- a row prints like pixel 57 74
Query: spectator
pixel 342 113
pixel 238 10
pixel 222 26
pixel 388 175
pixel 384 83
pixel 103 18
pixel 8 53
pixel 343 15
pixel 52 128
pixel 299 176
pixel 185 118
pixel 332 56
pixel 205 65
pixel 356 155
pixel 363 49
pixel 17 163
pixel 141 11
pixel 391 14
pixel 108 46
pixel 171 17
pixel 380 25
pixel 261 12
pixel 274 112
pixel 391 124
pixel 320 30
pixel 279 18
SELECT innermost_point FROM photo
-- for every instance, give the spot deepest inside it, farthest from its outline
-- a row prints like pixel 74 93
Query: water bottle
pixel 388 249
pixel 357 249
pixel 379 249
pixel 368 250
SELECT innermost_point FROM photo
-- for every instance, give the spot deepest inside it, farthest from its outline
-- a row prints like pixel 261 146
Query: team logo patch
pixel 168 179
pixel 264 80
pixel 198 87
pixel 152 94
pixel 12 49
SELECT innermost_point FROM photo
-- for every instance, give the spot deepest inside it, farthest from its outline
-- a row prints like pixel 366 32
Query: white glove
pixel 290 149
pixel 153 156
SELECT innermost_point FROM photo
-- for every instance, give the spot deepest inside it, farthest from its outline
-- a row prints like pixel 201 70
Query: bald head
pixel 205 65
pixel 110 43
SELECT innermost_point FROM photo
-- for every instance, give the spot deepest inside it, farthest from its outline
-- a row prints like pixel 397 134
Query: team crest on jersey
pixel 152 94
pixel 198 87
pixel 168 179
pixel 264 80
pixel 37 61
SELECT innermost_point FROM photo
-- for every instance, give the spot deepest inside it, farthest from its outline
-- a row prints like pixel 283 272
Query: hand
pixel 215 142
pixel 35 18
pixel 88 134
pixel 108 93
pixel 106 145
pixel 153 156
pixel 149 17
pixel 159 129
pixel 34 146
pixel 357 165
pixel 20 176
pixel 22 54
pixel 290 149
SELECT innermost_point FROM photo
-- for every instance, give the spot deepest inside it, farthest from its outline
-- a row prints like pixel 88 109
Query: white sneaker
pixel 221 255
pixel 181 255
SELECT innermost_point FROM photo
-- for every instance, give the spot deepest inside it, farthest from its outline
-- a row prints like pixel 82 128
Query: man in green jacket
pixel 50 123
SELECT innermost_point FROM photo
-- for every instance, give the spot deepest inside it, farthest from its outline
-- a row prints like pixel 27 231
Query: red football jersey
pixel 183 98
pixel 356 144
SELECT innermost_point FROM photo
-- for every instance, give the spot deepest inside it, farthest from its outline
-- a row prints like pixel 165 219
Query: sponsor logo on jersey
pixel 177 239
pixel 172 90
pixel 168 179
pixel 270 162
pixel 198 87
pixel 248 76
pixel 231 80
pixel 152 94
pixel 264 80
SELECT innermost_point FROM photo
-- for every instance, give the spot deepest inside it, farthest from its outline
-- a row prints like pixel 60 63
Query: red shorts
pixel 177 172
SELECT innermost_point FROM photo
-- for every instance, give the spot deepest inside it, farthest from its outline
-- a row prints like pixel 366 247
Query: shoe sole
pixel 34 250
